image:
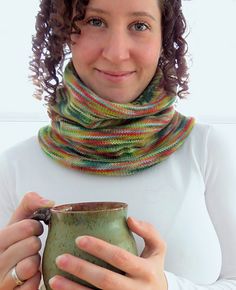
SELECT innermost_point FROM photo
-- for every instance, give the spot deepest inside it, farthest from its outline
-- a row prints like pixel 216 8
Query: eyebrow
pixel 136 13
pixel 142 13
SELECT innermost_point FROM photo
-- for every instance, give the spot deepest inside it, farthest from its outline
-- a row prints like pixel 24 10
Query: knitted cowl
pixel 98 136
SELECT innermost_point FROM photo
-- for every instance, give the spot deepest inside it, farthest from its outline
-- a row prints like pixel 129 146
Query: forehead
pixel 125 5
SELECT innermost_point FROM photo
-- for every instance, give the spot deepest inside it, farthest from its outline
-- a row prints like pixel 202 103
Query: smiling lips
pixel 115 76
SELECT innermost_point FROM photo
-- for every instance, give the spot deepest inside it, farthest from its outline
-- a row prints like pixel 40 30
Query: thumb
pixel 154 244
pixel 28 205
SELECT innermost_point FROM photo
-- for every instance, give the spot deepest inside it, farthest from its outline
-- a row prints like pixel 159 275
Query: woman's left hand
pixel 145 272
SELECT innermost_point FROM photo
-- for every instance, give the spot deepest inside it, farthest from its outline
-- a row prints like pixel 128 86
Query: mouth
pixel 116 76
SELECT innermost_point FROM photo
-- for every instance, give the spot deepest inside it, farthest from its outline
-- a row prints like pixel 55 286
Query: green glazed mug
pixel 103 220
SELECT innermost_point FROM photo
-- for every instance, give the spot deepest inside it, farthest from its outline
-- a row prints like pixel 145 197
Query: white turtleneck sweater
pixel 190 198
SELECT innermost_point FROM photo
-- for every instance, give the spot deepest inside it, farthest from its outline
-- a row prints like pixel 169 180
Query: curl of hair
pixel 50 48
pixel 173 58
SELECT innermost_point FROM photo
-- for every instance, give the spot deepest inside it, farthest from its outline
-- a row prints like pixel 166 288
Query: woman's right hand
pixel 20 245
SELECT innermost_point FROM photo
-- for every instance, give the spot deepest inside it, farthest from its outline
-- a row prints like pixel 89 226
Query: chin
pixel 119 99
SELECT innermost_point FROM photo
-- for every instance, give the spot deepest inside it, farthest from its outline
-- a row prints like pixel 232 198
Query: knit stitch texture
pixel 98 136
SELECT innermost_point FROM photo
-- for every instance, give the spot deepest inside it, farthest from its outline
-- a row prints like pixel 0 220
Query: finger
pixel 19 231
pixel 17 252
pixel 100 277
pixel 28 267
pixel 9 282
pixel 29 204
pixel 113 255
pixel 59 282
pixel 31 284
pixel 154 244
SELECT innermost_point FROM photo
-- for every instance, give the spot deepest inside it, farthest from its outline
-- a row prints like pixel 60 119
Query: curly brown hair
pixel 54 24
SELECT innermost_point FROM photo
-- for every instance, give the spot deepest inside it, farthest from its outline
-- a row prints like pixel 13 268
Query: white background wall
pixel 212 44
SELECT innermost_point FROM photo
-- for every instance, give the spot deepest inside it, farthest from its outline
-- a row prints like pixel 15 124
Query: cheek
pixel 149 54
pixel 149 62
pixel 84 51
pixel 82 61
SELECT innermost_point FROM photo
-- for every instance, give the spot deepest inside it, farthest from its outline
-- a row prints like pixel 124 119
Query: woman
pixel 115 135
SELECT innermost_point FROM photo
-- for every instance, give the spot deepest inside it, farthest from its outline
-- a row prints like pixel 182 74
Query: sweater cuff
pixel 171 281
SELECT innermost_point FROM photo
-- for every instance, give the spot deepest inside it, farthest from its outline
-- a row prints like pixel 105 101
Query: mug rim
pixel 68 208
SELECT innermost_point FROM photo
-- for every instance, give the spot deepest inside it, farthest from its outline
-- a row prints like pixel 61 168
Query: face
pixel 117 52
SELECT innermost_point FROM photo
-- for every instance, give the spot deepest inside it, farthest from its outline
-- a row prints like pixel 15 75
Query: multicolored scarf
pixel 98 136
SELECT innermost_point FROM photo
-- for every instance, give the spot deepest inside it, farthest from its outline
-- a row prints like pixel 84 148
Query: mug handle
pixel 42 214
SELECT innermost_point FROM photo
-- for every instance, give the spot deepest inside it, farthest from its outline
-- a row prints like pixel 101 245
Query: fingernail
pixel 47 202
pixel 54 281
pixel 134 221
pixel 61 260
pixel 81 241
pixel 51 282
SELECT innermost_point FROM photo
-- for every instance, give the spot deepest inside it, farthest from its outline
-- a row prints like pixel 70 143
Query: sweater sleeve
pixel 220 193
pixel 7 188
pixel 179 283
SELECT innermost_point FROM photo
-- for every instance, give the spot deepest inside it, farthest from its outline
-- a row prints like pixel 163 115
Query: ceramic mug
pixel 103 220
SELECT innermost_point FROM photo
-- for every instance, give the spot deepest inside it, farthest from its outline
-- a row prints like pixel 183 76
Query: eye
pixel 97 22
pixel 140 26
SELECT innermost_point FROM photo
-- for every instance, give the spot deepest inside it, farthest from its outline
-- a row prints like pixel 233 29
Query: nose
pixel 116 48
